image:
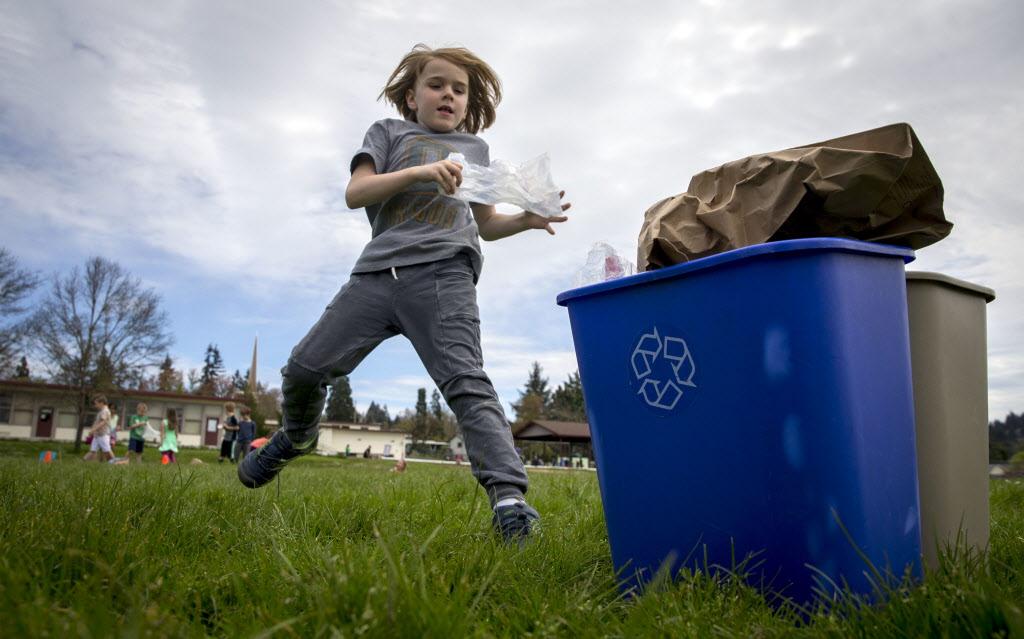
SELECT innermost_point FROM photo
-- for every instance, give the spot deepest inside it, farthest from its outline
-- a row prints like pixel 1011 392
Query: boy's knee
pixel 471 396
pixel 469 384
pixel 297 377
pixel 303 394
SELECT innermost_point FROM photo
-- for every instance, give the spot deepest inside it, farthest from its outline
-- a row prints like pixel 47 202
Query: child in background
pixel 100 432
pixel 417 275
pixel 137 432
pixel 169 437
pixel 230 427
pixel 246 433
pixel 114 419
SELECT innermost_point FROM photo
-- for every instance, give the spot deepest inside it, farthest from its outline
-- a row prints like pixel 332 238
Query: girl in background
pixel 169 437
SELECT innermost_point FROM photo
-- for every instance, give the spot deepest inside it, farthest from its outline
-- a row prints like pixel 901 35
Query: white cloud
pixel 210 142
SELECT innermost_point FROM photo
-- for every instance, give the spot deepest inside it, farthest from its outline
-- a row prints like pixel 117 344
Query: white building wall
pixel 390 445
pixel 16 432
pixel 25 410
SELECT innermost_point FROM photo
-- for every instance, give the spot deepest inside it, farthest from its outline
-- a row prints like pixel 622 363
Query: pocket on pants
pixel 345 289
pixel 456 292
pixel 459 317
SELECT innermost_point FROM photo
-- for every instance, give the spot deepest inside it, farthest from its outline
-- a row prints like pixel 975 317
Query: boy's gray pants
pixel 434 305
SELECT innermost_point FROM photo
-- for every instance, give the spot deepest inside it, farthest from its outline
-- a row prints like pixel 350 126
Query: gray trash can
pixel 948 351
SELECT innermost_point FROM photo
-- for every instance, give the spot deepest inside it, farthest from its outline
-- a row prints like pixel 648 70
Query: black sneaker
pixel 515 522
pixel 260 466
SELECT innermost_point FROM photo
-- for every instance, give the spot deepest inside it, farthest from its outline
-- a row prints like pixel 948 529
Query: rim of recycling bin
pixel 713 261
pixel 977 289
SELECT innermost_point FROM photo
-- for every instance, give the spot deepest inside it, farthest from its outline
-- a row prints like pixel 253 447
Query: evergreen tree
pixel 340 407
pixel 421 419
pixel 528 409
pixel 22 372
pixel 1005 437
pixel 436 409
pixel 535 398
pixel 441 423
pixel 567 401
pixel 376 414
pixel 537 385
pixel 238 382
pixel 169 379
pixel 213 368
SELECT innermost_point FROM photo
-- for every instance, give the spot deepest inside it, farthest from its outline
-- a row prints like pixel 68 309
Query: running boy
pixel 137 432
pixel 417 276
pixel 100 431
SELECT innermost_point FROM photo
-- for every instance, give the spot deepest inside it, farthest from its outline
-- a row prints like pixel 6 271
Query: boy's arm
pixel 98 423
pixel 495 226
pixel 367 187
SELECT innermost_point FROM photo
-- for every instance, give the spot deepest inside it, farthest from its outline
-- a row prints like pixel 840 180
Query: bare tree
pixel 98 329
pixel 15 287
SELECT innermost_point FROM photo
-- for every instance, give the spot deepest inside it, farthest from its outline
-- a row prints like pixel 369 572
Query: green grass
pixel 350 549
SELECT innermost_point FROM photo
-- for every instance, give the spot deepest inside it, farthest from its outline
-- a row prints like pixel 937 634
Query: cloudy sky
pixel 205 145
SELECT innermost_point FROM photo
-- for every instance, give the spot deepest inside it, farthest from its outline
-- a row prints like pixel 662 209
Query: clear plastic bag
pixel 528 185
pixel 603 264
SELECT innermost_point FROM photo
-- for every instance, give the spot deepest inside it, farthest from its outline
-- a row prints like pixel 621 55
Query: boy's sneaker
pixel 515 521
pixel 262 465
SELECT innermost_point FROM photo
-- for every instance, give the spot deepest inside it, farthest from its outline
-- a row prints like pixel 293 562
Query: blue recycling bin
pixel 756 404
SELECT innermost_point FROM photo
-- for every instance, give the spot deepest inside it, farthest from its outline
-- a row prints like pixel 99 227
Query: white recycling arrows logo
pixel 664 394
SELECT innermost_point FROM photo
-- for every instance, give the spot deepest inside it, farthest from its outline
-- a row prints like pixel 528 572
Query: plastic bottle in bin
pixel 603 264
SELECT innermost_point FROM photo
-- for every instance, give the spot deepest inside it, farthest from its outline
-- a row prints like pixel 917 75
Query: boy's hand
pixel 445 172
pixel 534 221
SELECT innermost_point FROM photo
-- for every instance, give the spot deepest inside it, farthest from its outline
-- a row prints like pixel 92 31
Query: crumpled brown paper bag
pixel 878 185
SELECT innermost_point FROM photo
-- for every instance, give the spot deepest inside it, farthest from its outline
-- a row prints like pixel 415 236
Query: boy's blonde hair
pixel 229 407
pixel 484 85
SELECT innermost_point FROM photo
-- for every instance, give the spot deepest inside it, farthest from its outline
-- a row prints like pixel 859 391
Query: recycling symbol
pixel 663 393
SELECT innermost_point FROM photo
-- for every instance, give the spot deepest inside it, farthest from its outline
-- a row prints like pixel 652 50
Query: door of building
pixel 210 439
pixel 44 425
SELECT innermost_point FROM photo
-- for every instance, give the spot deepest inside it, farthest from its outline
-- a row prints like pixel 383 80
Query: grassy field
pixel 350 549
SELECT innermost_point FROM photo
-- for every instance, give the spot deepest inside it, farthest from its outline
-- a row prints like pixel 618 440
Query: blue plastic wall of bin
pixel 756 402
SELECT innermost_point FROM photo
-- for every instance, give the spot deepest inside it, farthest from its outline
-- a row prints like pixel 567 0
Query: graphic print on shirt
pixel 422 201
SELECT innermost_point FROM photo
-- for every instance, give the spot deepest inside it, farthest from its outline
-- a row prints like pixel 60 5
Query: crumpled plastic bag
pixel 528 185
pixel 151 434
pixel 603 264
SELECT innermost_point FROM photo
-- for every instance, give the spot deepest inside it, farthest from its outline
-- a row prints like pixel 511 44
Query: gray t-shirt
pixel 418 224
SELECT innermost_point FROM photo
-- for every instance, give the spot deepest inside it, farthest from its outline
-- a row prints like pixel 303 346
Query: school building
pixel 382 442
pixel 34 410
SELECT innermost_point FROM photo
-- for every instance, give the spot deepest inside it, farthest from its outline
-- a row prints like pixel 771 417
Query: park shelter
pixel 39 411
pixel 572 438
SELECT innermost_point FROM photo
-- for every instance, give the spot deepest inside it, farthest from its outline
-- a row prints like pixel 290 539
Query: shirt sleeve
pixel 487 154
pixel 375 145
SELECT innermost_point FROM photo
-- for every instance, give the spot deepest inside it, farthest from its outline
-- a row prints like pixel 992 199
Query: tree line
pixel 1005 438
pixel 97 329
pixel 434 421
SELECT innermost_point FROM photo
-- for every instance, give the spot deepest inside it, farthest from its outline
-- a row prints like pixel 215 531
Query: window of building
pixel 5 408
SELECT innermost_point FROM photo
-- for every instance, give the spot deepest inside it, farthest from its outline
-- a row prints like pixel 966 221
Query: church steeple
pixel 252 369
